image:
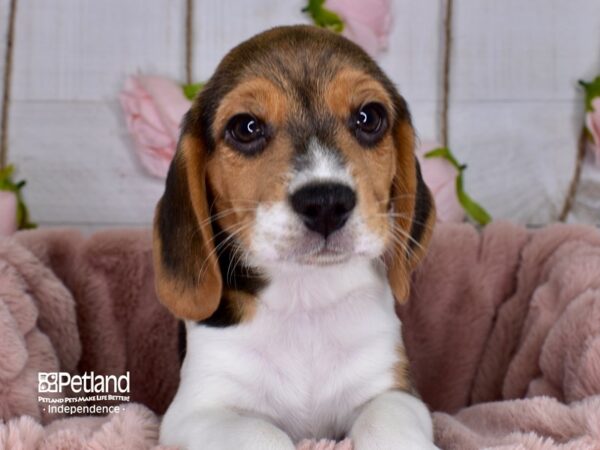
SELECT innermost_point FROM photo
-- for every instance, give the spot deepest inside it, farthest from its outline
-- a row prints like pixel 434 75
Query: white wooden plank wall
pixel 3 29
pixel 515 109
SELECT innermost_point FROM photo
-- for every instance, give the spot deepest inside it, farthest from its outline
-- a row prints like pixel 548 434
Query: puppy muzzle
pixel 324 207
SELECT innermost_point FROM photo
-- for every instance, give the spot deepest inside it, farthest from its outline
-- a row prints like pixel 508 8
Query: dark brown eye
pixel 246 134
pixel 370 123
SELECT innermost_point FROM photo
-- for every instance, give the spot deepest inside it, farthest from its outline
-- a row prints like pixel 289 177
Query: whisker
pixel 243 200
pixel 239 258
pixel 397 197
pixel 236 256
pixel 398 243
pixel 401 216
pixel 215 250
pixel 429 226
pixel 224 213
pixel 409 237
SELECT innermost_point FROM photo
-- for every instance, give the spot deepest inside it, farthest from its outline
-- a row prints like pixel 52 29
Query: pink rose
pixel 154 107
pixel 366 22
pixel 592 122
pixel 440 177
pixel 8 213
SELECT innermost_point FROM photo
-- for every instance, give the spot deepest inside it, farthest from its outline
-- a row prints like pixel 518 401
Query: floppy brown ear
pixel 414 214
pixel 188 279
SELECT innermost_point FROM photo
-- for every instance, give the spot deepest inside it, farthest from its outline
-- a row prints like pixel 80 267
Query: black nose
pixel 324 207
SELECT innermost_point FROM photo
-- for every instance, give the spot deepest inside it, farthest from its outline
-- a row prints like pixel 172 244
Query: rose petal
pixel 8 213
pixel 168 98
pixel 440 177
pixel 149 136
pixel 156 161
pixel 362 35
pixel 593 125
pixel 153 107
pixel 360 16
pixel 448 208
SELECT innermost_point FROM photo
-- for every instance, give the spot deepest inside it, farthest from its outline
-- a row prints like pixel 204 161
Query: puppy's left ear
pixel 414 213
pixel 188 279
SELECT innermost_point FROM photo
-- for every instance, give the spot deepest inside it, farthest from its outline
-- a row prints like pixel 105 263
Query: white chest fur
pixel 318 347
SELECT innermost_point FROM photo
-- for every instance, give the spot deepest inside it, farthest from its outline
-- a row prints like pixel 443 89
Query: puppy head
pixel 298 153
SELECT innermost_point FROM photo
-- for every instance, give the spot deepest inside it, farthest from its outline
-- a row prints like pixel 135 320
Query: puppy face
pixel 297 153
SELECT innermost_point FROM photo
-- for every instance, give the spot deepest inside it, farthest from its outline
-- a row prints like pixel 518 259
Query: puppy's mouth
pixel 334 249
pixel 314 249
pixel 325 258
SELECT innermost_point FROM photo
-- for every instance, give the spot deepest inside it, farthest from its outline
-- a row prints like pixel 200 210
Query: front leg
pixel 394 420
pixel 222 429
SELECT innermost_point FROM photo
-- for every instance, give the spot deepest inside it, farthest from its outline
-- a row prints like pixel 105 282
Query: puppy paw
pixel 393 421
pixel 378 439
pixel 264 436
pixel 223 430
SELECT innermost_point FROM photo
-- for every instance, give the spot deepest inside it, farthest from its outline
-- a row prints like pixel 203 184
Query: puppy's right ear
pixel 188 279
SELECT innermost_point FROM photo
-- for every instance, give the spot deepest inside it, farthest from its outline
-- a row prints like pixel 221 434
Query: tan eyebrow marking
pixel 350 88
pixel 259 97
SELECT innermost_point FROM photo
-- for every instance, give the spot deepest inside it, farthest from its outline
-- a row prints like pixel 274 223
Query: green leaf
pixel 592 90
pixel 7 184
pixel 191 90
pixel 445 153
pixel 323 17
pixel 474 210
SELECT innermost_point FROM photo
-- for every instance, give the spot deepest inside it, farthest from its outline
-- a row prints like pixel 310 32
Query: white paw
pixel 224 430
pixel 377 439
pixel 262 435
pixel 393 421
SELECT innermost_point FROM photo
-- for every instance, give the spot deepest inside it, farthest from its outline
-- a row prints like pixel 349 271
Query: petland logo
pixel 88 383
pixel 82 393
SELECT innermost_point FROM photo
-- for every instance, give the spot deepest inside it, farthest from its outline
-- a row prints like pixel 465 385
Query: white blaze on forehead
pixel 322 165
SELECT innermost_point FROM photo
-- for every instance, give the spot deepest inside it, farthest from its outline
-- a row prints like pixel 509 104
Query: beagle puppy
pixel 293 214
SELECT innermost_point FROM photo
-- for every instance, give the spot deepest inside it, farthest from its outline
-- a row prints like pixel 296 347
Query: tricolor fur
pixel 285 232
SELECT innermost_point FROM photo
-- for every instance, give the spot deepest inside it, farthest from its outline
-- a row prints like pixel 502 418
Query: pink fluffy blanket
pixel 502 330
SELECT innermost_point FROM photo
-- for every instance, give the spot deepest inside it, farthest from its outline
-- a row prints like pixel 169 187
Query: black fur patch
pixel 223 317
pixel 423 205
pixel 236 277
pixel 181 341
pixel 176 223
